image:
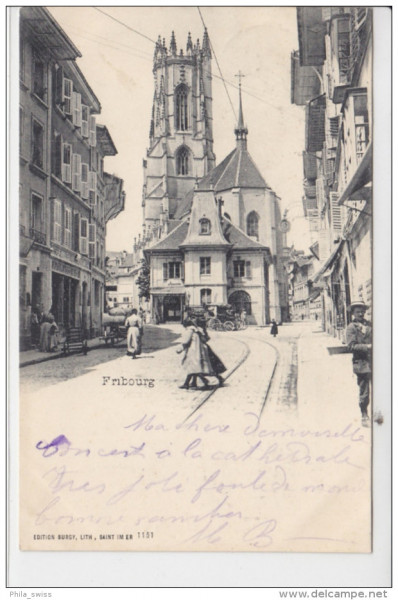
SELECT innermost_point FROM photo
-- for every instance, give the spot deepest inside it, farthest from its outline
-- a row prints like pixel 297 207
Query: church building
pixel 221 240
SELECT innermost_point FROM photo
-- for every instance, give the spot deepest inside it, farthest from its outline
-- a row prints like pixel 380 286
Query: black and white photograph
pixel 194 208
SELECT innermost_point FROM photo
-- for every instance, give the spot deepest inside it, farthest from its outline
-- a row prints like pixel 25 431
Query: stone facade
pixel 62 190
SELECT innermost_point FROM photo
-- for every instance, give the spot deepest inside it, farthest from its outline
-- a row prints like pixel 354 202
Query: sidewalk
pixel 327 388
pixel 33 356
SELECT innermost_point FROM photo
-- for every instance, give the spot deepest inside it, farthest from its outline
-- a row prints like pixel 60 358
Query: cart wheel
pixel 229 326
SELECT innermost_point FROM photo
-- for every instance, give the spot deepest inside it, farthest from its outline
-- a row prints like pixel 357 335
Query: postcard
pixel 195 279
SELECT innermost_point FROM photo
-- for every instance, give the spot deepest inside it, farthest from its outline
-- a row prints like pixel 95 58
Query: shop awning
pixel 326 270
pixel 177 290
pixel 361 177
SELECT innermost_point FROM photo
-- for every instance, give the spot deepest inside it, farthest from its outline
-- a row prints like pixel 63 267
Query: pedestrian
pixel 195 361
pixel 135 331
pixel 359 342
pixel 35 323
pixel 274 328
pixel 217 365
pixel 243 316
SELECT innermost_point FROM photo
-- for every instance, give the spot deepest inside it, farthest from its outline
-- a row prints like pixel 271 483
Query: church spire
pixel 173 44
pixel 206 44
pixel 241 130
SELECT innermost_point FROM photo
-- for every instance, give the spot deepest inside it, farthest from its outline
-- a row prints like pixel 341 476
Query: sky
pixel 117 63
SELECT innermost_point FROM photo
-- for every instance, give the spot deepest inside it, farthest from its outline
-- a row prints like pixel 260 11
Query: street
pixel 262 372
pixel 115 441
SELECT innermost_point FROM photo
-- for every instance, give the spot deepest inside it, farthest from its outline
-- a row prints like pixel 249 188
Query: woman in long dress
pixel 134 333
pixel 195 361
pixel 274 328
pixel 217 365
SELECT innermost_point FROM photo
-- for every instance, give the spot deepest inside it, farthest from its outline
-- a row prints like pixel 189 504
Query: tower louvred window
pixel 181 108
pixel 183 161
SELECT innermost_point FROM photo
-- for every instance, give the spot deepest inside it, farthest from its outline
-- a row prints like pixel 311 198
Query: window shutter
pixel 85 180
pixel 85 119
pixel 77 109
pixel 335 211
pixel 248 268
pixel 91 240
pixel 68 228
pixel 59 82
pixel 76 232
pixel 56 154
pixel 93 132
pixel 83 236
pixel 57 228
pixel 66 163
pixel 76 172
pixel 92 184
pixel 67 89
pixel 165 272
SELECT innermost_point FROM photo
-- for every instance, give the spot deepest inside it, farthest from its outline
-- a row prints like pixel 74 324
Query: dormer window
pixel 205 227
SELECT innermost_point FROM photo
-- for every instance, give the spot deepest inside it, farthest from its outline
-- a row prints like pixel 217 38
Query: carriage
pixel 220 317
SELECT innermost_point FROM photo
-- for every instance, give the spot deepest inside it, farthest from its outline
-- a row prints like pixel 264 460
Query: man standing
pixel 359 342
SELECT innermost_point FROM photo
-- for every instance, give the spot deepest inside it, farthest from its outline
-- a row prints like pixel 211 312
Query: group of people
pixel 44 330
pixel 199 361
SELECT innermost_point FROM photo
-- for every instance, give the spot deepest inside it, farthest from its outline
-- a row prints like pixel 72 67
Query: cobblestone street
pixel 262 371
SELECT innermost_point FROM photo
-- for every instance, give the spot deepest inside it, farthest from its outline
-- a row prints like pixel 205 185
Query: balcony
pixel 38 236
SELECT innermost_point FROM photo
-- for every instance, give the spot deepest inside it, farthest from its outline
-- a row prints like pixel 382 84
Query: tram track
pixel 204 397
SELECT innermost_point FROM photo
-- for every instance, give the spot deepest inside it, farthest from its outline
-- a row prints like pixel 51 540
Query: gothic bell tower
pixel 181 130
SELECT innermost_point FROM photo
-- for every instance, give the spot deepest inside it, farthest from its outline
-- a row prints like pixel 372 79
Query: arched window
pixel 205 296
pixel 205 227
pixel 182 159
pixel 252 224
pixel 181 108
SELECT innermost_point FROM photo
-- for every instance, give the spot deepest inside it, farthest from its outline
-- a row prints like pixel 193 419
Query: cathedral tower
pixel 181 131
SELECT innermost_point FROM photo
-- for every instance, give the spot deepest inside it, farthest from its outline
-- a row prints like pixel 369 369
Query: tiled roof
pixel 173 239
pixel 184 207
pixel 238 238
pixel 236 170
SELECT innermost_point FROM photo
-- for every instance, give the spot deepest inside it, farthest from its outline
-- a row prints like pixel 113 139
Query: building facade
pixel 336 43
pixel 206 260
pixel 63 196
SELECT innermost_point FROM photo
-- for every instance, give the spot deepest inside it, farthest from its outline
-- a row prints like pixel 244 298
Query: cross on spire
pixel 241 130
pixel 240 75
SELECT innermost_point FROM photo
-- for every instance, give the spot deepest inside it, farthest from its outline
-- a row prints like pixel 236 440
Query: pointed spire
pixel 189 43
pixel 241 130
pixel 206 44
pixel 173 44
